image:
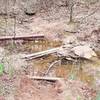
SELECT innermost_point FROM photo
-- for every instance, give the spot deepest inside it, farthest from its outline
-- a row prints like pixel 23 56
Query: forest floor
pixel 77 84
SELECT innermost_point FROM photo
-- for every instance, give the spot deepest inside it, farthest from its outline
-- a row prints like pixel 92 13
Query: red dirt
pixel 32 90
pixel 2 98
pixel 41 90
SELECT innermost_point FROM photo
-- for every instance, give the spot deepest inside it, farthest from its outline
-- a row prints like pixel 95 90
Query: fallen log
pixel 28 37
pixel 44 78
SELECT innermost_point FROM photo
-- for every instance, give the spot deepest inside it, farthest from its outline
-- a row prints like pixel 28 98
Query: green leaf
pixel 72 77
pixel 98 97
pixel 1 68
pixel 78 98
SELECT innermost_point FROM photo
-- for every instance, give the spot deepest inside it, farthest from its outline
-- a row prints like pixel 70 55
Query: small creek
pixel 86 71
pixel 83 70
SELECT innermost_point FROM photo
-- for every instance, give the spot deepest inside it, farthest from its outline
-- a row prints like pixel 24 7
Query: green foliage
pixel 72 77
pixel 1 68
pixel 98 96
pixel 78 98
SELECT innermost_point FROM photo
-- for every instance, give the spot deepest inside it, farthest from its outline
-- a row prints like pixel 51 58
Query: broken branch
pixel 29 37
pixel 42 53
pixel 44 78
pixel 51 66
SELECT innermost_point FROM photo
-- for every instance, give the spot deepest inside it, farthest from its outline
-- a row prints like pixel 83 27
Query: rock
pixel 84 51
pixel 31 7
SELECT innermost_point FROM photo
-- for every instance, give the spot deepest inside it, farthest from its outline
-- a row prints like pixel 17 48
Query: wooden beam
pixel 24 37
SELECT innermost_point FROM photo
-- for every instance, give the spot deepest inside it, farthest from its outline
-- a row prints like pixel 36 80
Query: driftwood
pixel 44 78
pixel 42 53
pixel 28 37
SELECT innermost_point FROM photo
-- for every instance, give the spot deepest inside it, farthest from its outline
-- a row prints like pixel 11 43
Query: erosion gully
pixel 83 70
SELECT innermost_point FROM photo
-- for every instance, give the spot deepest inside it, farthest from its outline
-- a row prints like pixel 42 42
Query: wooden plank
pixel 44 78
pixel 24 37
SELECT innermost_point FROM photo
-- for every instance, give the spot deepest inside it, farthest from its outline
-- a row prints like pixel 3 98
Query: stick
pixel 44 78
pixel 42 53
pixel 52 64
pixel 71 31
pixel 29 37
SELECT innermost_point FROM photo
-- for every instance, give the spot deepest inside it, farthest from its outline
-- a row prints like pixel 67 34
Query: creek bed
pixel 83 70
